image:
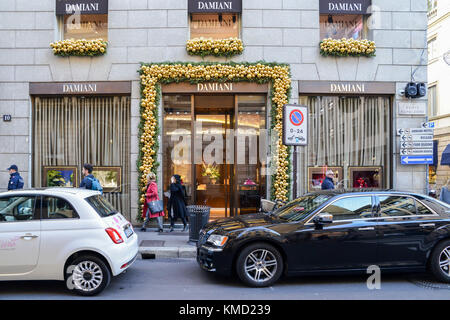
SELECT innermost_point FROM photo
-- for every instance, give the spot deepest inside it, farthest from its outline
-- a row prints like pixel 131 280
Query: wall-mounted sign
pixel 412 108
pixel 7 117
pixel 205 6
pixel 65 7
pixel 345 6
pixel 215 87
pixel 295 125
pixel 347 88
pixel 81 88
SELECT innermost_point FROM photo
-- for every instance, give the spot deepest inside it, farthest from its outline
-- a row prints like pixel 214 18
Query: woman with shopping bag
pixel 153 207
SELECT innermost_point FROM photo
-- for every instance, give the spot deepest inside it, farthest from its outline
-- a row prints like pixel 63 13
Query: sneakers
pixel 143 229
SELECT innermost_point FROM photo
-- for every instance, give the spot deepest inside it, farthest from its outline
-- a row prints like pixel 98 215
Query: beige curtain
pixel 71 131
pixel 347 131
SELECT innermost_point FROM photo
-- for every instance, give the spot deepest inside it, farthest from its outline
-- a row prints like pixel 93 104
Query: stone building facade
pixel 151 31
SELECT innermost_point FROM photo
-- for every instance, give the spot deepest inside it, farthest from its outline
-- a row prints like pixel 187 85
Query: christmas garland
pixel 347 47
pixel 152 75
pixel 215 47
pixel 71 47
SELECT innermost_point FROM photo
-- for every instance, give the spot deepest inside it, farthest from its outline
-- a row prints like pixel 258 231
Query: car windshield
pixel 101 206
pixel 300 208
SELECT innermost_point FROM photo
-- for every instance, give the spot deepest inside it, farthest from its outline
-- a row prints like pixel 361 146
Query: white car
pixel 68 234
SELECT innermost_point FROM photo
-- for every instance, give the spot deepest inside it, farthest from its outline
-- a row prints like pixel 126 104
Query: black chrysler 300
pixel 331 232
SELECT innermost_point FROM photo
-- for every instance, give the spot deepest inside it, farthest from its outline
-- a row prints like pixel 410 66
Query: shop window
pixel 214 25
pixel 84 26
pixel 348 134
pixel 432 101
pixel 343 26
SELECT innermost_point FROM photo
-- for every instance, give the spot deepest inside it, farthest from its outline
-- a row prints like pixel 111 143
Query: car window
pixel 421 209
pixel 350 208
pixel 101 206
pixel 57 208
pixel 18 208
pixel 396 206
pixel 298 209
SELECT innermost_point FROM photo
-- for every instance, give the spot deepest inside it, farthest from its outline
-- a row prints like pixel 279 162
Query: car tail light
pixel 114 235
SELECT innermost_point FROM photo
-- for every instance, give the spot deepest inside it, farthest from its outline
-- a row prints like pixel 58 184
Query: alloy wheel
pixel 261 265
pixel 87 276
pixel 444 261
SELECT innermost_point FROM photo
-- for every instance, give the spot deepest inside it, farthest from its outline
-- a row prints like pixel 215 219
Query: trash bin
pixel 198 218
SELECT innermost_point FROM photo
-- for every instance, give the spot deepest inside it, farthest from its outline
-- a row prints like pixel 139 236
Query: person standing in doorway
pixel 152 195
pixel 328 183
pixel 15 180
pixel 177 202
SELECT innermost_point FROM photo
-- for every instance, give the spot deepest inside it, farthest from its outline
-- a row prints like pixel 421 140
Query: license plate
pixel 128 231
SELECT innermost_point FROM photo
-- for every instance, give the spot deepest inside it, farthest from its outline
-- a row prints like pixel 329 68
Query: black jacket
pixel 177 201
pixel 327 184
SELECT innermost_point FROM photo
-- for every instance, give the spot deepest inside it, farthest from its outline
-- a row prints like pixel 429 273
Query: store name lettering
pixel 79 88
pixel 81 7
pixel 203 5
pixel 210 87
pixel 348 87
pixel 345 6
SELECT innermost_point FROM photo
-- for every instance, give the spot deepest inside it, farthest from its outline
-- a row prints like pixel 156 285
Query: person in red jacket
pixel 152 195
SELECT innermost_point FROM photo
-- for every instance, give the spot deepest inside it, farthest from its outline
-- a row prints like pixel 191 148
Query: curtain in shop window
pixel 347 131
pixel 71 131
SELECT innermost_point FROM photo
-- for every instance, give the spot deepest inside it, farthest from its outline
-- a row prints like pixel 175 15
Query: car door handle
pixel 366 229
pixel 28 236
pixel 427 225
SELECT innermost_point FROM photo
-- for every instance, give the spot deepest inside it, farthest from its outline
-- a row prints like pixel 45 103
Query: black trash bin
pixel 198 218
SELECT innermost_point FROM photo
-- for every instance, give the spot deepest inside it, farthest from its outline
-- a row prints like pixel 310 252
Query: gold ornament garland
pixel 154 74
pixel 215 47
pixel 71 47
pixel 347 47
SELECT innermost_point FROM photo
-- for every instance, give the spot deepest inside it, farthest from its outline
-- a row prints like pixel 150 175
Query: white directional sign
pixel 405 152
pixel 295 125
pixel 416 145
pixel 415 131
pixel 416 137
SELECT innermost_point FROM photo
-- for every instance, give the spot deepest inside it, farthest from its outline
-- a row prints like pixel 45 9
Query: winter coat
pixel 327 184
pixel 151 195
pixel 177 201
pixel 445 195
pixel 15 181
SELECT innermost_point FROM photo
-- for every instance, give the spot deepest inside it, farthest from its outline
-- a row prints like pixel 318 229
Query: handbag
pixel 156 206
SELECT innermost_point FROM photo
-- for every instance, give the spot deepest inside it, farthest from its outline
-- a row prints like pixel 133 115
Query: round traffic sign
pixel 296 117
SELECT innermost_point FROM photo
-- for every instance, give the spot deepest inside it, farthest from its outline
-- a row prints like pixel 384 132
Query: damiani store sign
pixel 64 7
pixel 205 6
pixel 345 6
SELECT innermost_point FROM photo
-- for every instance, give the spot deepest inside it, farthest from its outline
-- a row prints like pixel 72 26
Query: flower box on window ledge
pixel 71 47
pixel 215 47
pixel 347 48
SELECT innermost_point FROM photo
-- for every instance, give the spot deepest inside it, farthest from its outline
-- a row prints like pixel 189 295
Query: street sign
pixel 295 125
pixel 423 159
pixel 403 131
pixel 430 125
pixel 418 145
pixel 416 137
pixel 427 152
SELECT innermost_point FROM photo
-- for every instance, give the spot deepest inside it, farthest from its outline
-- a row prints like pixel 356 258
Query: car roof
pixel 341 192
pixel 81 192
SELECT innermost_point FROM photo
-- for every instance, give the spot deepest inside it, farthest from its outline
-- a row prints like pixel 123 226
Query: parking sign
pixel 295 125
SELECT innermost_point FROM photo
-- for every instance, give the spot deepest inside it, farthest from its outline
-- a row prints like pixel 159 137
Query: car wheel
pixel 440 261
pixel 259 265
pixel 87 276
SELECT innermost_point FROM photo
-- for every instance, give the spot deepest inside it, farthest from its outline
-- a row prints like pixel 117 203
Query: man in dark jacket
pixel 15 180
pixel 88 176
pixel 328 182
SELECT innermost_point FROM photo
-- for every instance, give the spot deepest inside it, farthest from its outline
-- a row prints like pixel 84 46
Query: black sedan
pixel 331 232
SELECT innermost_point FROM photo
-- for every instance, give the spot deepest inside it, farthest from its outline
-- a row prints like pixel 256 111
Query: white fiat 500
pixel 68 234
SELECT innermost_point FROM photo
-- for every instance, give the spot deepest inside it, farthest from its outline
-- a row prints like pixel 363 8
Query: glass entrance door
pixel 213 173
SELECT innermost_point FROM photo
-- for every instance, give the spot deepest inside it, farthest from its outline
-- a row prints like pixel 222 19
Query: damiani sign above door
pixel 345 6
pixel 205 6
pixel 64 7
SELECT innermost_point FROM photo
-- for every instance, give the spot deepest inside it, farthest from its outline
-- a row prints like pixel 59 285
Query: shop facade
pixel 68 110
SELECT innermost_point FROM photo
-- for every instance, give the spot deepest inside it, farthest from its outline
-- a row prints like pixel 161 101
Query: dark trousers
pixel 173 219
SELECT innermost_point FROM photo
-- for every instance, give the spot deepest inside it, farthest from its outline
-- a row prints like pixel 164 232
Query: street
pixel 182 279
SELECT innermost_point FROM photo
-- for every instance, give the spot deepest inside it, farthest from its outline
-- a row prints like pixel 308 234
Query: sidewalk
pixel 154 245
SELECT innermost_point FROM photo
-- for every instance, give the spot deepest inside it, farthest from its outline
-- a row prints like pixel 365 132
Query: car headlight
pixel 217 240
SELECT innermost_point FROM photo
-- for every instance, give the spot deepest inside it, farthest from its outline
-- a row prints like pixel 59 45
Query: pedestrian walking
pixel 177 202
pixel 151 195
pixel 15 180
pixel 89 181
pixel 328 182
pixel 445 193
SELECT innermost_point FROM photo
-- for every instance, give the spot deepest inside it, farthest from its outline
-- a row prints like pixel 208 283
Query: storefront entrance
pixel 221 164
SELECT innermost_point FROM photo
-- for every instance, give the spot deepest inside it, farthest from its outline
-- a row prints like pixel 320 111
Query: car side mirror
pixel 323 218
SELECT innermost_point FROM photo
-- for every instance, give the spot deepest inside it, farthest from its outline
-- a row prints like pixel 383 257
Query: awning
pixel 445 159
